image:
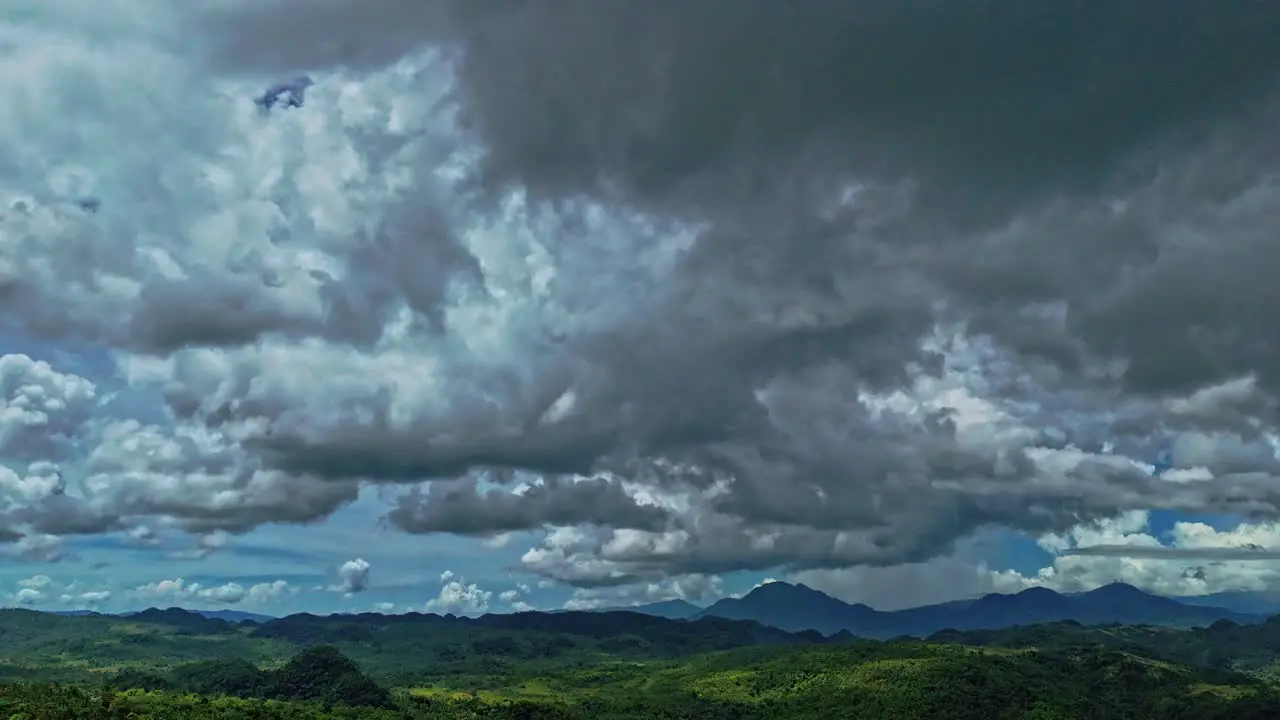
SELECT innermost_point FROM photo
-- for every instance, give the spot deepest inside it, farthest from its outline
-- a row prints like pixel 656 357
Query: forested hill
pixel 395 647
pixel 864 680
pixel 624 665
pixel 1252 648
pixel 798 607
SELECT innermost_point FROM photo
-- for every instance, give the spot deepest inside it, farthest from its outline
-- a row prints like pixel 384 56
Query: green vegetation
pixel 402 650
pixel 613 666
pixel 1253 649
pixel 319 673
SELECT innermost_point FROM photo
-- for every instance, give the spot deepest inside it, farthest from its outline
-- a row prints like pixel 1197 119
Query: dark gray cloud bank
pixel 744 264
pixel 1254 552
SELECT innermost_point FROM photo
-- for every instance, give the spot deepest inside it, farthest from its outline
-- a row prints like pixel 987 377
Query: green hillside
pixel 1253 649
pixel 397 650
pixel 601 668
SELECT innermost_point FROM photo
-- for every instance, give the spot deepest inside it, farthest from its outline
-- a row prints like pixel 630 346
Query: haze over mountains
pixel 797 608
pixel 234 616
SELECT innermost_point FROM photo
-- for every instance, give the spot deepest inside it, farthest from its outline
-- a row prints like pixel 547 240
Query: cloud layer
pixel 678 292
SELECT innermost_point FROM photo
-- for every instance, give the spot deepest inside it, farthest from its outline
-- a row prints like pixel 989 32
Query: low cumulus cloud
pixel 698 589
pixel 691 288
pixel 353 576
pixel 42 590
pixel 181 591
pixel 459 597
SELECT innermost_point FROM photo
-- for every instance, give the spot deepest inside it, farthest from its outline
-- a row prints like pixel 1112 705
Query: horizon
pixel 613 608
pixel 348 315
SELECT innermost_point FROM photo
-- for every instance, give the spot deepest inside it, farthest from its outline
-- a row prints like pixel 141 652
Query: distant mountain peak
pixel 674 609
pixel 1119 590
pixel 674 602
pixel 779 591
pixel 779 587
pixel 185 616
pixel 170 612
pixel 1120 587
pixel 775 584
pixel 1039 591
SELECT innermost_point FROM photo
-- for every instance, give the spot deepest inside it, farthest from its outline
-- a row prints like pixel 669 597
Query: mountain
pixel 187 622
pixel 793 608
pixel 670 609
pixel 1114 603
pixel 1241 601
pixel 798 607
pixel 231 616
pixel 235 616
pixel 318 672
pixel 495 632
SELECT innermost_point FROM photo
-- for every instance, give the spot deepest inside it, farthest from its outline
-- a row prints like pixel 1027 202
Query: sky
pixel 519 305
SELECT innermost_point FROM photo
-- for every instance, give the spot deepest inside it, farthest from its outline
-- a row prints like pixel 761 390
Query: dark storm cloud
pixel 683 99
pixel 983 101
pixel 748 110
pixel 63 515
pixel 286 94
pixel 716 237
pixel 1084 137
pixel 460 508
pixel 288 36
pixel 1252 552
pixel 913 524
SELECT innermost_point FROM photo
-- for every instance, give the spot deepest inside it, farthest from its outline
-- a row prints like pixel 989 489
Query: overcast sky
pixel 535 303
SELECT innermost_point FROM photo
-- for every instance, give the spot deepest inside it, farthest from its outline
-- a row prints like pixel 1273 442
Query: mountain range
pixel 596 665
pixel 232 616
pixel 670 609
pixel 797 607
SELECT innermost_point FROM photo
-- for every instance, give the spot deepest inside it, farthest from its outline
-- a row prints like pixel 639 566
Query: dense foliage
pixel 396 650
pixel 1224 645
pixel 865 680
pixel 603 667
pixel 318 673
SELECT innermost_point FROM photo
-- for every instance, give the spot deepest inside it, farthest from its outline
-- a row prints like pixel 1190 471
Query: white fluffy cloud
pixel 43 410
pixel 1194 558
pixel 353 576
pixel 89 598
pixel 1190 559
pixel 513 594
pixel 180 591
pixel 41 590
pixel 694 588
pixel 459 597
pixel 38 547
